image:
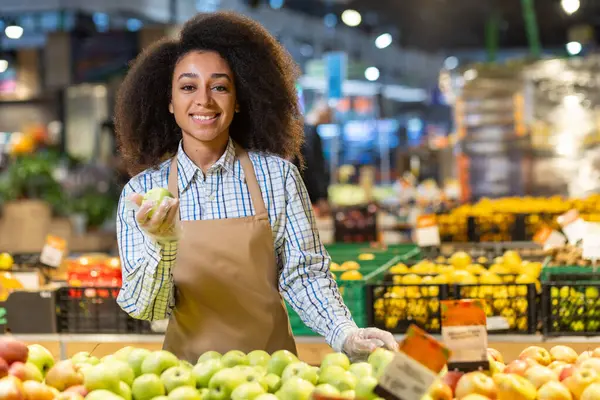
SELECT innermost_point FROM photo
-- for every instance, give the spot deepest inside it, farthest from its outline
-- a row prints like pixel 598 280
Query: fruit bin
pixel 571 305
pixel 394 307
pixel 94 310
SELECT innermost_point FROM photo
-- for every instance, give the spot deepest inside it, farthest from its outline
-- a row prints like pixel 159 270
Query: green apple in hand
pixel 247 391
pixel 202 372
pixel 40 357
pixel 135 359
pixel 233 358
pixel 365 387
pixel 209 355
pixel 339 359
pixel 184 393
pixel 271 382
pixel 156 196
pixel 147 387
pixel 279 360
pixel 259 357
pixel 361 370
pixel 101 377
pixel 175 377
pixel 158 362
pixel 301 370
pixel 296 389
pixel 224 382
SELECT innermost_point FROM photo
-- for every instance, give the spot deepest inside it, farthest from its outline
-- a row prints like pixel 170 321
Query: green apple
pixel 267 396
pixel 296 389
pixel 101 377
pixel 108 358
pixel 202 372
pixel 156 196
pixel 147 387
pixel 326 389
pixel 102 395
pixel 123 353
pixel 259 357
pixel 186 364
pixel 380 359
pixel 247 391
pixel 279 360
pixel 40 357
pixel 301 370
pixel 339 359
pixel 233 358
pixel 209 355
pixel 271 382
pixel 123 369
pixel 203 393
pixel 124 391
pixel 329 373
pixel 185 393
pixel 338 377
pixel 135 359
pixel 251 374
pixel 160 398
pixel 158 362
pixel 175 377
pixel 83 357
pixel 348 394
pixel 224 382
pixel 63 375
pixel 361 370
pixel 365 387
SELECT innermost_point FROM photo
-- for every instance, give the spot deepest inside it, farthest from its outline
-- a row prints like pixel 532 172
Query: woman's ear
pixel 237 108
pixel 171 107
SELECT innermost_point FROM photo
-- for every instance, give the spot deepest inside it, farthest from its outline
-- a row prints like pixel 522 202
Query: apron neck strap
pixel 251 181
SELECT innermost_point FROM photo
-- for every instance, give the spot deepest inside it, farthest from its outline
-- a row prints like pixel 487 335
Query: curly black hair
pixel 270 119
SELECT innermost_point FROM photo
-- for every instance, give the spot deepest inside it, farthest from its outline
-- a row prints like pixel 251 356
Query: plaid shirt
pixel 304 278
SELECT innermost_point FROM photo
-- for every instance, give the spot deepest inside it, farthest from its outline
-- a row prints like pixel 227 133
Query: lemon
pixel 511 257
pixel 6 261
pixel 440 260
pixel 489 278
pixel 350 266
pixel 398 269
pixel 460 259
pixel 366 257
pixel 411 279
pixel 475 269
pixel 440 279
pixel 351 276
pixel 463 277
pixel 482 260
pixel 499 269
pixel 335 267
pixel 444 269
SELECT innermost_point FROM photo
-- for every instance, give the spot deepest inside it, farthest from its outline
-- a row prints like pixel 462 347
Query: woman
pixel 213 116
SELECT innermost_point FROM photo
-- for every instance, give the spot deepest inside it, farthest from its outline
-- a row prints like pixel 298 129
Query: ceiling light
pixel 451 63
pixel 383 41
pixel 3 65
pixel 13 31
pixel 574 48
pixel 570 6
pixel 372 74
pixel 351 17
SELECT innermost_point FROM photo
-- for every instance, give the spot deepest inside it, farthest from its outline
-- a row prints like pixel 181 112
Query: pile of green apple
pixel 31 373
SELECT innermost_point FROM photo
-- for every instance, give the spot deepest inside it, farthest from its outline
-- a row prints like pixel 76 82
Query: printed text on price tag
pixel 53 251
pixel 549 238
pixel 427 232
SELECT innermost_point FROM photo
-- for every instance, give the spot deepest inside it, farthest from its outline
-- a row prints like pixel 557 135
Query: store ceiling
pixel 457 24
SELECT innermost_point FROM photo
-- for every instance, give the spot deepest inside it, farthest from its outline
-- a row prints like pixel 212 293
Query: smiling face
pixel 203 97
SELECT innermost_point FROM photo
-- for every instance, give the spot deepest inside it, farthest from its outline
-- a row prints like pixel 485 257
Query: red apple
pixel 37 391
pixel 451 379
pixel 539 375
pixel 11 388
pixel 558 366
pixel 584 356
pixel 563 353
pixel 581 379
pixel 80 389
pixel 3 368
pixel 63 375
pixel 440 391
pixel 517 367
pixel 567 372
pixel 539 354
pixel 475 383
pixel 495 354
pixel 554 391
pixel 25 372
pixel 12 350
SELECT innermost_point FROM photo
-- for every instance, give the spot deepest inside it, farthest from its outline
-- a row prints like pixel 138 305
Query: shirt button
pixel 211 197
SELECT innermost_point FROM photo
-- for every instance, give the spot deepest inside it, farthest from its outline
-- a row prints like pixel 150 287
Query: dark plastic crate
pixel 94 310
pixel 571 306
pixel 517 303
pixel 394 307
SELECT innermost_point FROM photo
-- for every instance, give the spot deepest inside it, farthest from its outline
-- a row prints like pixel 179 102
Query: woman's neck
pixel 205 154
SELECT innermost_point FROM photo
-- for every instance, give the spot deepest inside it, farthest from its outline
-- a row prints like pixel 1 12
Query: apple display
pixel 147 387
pixel 175 377
pixel 296 389
pixel 267 396
pixel 135 359
pixel 258 357
pixel 84 357
pixel 271 383
pixel 580 379
pixel 361 369
pixel 233 358
pixel 539 375
pixel 123 369
pixel 101 377
pixel 517 367
pixel 558 366
pixel 514 387
pixel 538 354
pixel 567 372
pixel 158 362
pixel 301 370
pixel 554 391
pixel 63 375
pixel 563 353
pixel 339 359
pixel 475 382
pixel 224 382
pixel 203 371
pixel 348 394
pixel 279 360
pixel 475 397
pixel 79 389
pixel 209 355
pixel 40 357
pixel 184 393
pixel 247 391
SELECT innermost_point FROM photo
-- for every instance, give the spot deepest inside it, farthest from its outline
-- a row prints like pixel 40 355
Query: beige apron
pixel 226 289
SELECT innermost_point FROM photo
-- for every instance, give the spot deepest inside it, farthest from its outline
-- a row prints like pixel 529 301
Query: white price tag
pixel 406 379
pixel 427 233
pixel 53 252
pixel 575 231
pixel 497 324
pixel 549 238
pixel 591 247
pixel 467 343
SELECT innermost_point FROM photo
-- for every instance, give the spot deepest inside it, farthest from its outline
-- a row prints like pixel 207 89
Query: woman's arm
pixel 147 291
pixel 305 281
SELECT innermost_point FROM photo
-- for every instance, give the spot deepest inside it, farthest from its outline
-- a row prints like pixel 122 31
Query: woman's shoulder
pixel 263 159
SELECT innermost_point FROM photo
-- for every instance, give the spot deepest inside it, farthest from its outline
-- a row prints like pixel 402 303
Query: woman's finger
pixel 159 215
pixel 142 215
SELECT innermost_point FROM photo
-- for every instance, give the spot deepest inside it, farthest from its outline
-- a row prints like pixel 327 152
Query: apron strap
pixel 251 181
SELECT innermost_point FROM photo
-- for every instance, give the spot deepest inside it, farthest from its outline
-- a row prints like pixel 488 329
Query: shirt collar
pixel 188 170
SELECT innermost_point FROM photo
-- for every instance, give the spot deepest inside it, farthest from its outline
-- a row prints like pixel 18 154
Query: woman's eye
pixel 187 88
pixel 220 88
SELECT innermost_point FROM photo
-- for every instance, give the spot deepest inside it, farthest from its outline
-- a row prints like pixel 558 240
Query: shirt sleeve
pixel 306 282
pixel 147 291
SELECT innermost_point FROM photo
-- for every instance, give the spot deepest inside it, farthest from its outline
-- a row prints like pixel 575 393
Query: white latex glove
pixel 161 226
pixel 363 341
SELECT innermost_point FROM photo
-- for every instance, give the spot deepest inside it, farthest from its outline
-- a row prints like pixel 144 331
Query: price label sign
pixel 591 242
pixel 573 226
pixel 549 238
pixel 54 251
pixel 427 233
pixel 464 332
pixel 414 368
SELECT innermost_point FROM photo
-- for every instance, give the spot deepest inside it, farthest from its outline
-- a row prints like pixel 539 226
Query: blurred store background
pixel 485 113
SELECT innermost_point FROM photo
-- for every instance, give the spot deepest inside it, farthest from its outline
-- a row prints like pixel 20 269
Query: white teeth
pixel 203 117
